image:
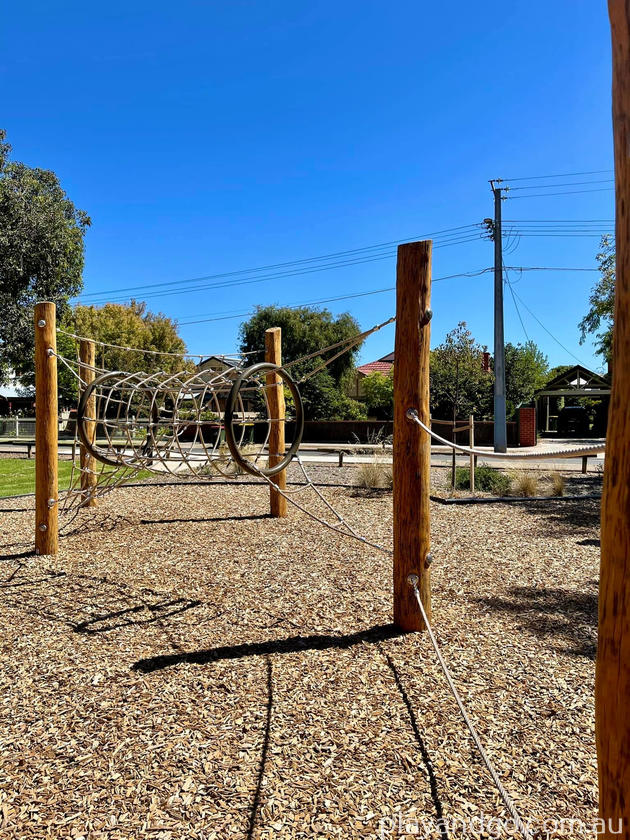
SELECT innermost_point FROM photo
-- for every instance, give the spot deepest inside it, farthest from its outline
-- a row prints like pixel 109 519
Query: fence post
pixel 412 445
pixel 471 438
pixel 612 675
pixel 87 360
pixel 46 431
pixel 275 391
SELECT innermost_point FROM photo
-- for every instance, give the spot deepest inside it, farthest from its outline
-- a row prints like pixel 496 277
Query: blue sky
pixel 205 138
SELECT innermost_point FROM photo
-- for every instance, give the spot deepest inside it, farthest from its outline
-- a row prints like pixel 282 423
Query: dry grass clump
pixel 525 483
pixel 558 484
pixel 375 474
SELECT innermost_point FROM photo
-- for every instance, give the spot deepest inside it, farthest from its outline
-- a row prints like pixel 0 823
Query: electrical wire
pixel 332 299
pixel 446 235
pixel 518 311
pixel 562 175
pixel 299 272
pixel 569 192
pixel 557 340
pixel 570 184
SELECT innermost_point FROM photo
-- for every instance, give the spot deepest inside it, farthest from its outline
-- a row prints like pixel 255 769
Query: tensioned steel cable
pixel 572 452
pixel 507 801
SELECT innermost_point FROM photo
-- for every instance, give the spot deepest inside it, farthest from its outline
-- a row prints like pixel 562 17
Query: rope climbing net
pixel 206 423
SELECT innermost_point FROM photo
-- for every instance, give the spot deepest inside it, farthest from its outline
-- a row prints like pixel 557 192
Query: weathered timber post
pixel 87 360
pixel 275 392
pixel 46 431
pixel 412 445
pixel 612 682
pixel 471 438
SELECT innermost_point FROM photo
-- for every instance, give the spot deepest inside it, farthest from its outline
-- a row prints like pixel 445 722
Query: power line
pixel 560 221
pixel 332 299
pixel 562 175
pixel 518 311
pixel 557 340
pixel 296 273
pixel 569 192
pixel 551 186
pixel 446 235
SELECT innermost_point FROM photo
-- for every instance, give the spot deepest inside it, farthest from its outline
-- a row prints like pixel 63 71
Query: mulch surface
pixel 187 667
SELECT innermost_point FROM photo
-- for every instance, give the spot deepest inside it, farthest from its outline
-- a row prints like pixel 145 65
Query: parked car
pixel 573 420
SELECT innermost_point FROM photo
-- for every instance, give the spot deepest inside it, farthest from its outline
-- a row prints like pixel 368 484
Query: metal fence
pixel 17 427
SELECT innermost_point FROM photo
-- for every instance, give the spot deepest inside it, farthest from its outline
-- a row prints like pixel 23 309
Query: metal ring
pixel 91 448
pixel 246 466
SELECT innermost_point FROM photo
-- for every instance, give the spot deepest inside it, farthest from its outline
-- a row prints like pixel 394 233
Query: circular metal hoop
pixel 90 447
pixel 247 466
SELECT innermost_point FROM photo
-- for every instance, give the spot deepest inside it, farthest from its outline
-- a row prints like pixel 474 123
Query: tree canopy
pixel 127 325
pixel 602 302
pixel 41 255
pixel 379 394
pixel 306 330
pixel 459 385
pixel 526 370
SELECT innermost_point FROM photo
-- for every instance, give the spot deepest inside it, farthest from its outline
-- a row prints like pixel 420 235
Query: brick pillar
pixel 527 426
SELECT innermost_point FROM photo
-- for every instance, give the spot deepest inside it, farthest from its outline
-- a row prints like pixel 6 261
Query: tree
pixel 379 394
pixel 459 386
pixel 41 255
pixel 526 371
pixel 129 325
pixel 602 302
pixel 305 331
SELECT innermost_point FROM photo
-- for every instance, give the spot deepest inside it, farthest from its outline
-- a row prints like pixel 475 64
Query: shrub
pixel 375 474
pixel 558 484
pixel 525 483
pixel 487 479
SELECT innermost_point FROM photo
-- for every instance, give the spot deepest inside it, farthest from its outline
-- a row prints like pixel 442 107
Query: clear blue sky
pixel 208 137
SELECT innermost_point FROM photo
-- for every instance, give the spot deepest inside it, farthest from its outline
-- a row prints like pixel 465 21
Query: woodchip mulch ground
pixel 187 667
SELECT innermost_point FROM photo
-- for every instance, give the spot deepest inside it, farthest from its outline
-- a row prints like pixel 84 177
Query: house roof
pixel 380 366
pixel 577 381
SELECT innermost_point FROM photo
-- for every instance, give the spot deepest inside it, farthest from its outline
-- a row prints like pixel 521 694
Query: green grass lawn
pixel 17 476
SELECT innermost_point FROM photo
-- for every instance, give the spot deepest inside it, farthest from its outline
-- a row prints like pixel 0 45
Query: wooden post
pixel 46 431
pixel 471 421
pixel 412 445
pixel 612 681
pixel 275 392
pixel 453 454
pixel 87 359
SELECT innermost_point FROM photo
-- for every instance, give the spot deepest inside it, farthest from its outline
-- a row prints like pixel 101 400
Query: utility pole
pixel 500 428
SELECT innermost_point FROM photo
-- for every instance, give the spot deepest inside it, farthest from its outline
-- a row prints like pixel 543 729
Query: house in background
pixel 384 365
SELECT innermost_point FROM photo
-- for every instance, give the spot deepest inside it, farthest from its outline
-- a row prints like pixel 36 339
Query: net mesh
pixel 129 424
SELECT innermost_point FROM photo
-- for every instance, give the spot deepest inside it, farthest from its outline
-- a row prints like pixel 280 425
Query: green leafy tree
pixel 41 255
pixel 127 325
pixel 526 371
pixel 304 331
pixel 379 394
pixel 602 302
pixel 459 386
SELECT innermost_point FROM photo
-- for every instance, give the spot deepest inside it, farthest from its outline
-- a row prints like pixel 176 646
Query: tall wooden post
pixel 87 361
pixel 275 396
pixel 471 421
pixel 46 431
pixel 612 683
pixel 412 445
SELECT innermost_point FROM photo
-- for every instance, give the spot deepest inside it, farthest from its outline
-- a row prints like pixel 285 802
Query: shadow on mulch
pixel 368 492
pixel 206 519
pixel 89 605
pixel 255 807
pixel 560 613
pixel 292 644
pixel 426 758
pixel 20 555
